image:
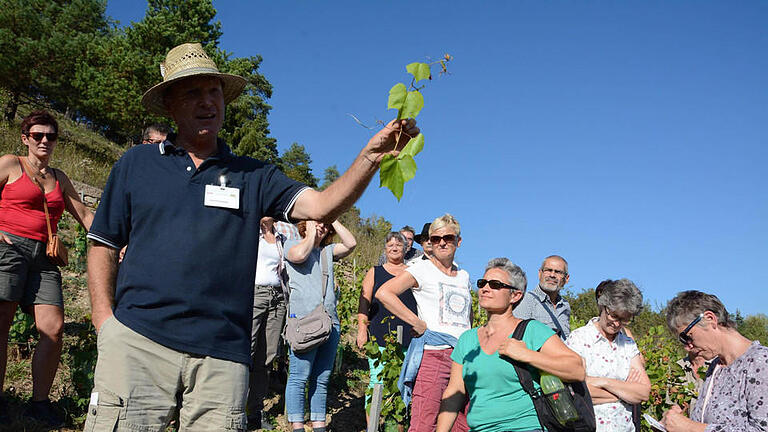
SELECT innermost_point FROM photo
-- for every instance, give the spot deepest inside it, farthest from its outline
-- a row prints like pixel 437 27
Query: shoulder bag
pixel 541 401
pixel 307 332
pixel 55 250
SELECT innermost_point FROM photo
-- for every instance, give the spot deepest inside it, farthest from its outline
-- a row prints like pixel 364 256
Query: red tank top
pixel 21 209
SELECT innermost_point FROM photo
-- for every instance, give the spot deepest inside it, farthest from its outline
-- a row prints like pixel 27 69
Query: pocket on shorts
pixel 11 259
pixel 236 420
pixel 105 414
pixel 147 409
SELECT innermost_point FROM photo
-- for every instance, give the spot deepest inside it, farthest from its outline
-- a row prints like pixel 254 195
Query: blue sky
pixel 629 137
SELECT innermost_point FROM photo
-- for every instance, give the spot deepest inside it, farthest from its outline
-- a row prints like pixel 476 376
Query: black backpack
pixel 582 401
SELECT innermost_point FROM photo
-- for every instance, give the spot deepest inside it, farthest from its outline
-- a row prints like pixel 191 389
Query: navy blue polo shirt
pixel 187 278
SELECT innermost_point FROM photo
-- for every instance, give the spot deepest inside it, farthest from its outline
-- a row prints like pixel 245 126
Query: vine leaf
pixel 420 71
pixel 397 95
pixel 414 146
pixel 395 171
pixel 407 103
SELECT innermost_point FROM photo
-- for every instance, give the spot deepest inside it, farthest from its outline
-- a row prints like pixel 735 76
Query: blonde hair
pixel 445 221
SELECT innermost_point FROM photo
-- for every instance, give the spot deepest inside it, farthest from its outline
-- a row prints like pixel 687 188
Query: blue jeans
pixel 314 366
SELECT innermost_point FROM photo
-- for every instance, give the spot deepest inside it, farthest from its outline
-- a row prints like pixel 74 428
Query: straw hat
pixel 184 61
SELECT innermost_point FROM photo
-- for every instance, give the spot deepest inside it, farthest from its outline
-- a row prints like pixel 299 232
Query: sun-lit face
pixel 42 148
pixel 497 299
pixel 703 340
pixel 196 104
pixel 394 250
pixel 611 322
pixel 553 275
pixel 408 238
pixel 444 248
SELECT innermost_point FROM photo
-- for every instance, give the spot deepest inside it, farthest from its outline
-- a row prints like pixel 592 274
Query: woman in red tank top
pixel 27 278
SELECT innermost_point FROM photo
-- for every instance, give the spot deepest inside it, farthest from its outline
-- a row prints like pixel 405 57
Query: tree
pixel 245 126
pixel 42 44
pixel 295 164
pixel 329 176
pixel 755 327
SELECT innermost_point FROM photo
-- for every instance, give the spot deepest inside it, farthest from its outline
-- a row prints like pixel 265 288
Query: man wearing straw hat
pixel 174 324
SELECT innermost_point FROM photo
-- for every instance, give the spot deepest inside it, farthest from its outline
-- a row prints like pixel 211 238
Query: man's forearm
pixel 102 273
pixel 329 204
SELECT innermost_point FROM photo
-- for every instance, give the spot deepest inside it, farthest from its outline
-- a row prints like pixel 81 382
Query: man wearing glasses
pixel 544 303
pixel 155 134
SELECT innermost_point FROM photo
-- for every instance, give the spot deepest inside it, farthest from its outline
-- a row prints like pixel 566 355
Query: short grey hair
pixel 687 305
pixel 620 296
pixel 397 236
pixel 515 274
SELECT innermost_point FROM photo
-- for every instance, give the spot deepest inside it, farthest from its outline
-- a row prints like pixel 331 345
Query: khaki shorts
pixel 139 384
pixel 26 275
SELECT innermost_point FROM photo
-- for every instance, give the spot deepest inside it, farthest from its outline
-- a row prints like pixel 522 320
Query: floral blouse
pixel 735 398
pixel 606 359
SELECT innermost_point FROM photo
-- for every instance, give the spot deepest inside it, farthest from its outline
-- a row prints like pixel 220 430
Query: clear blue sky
pixel 629 137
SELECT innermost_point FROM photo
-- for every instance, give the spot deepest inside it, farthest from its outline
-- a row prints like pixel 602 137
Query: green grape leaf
pixel 407 103
pixel 414 102
pixel 395 172
pixel 414 146
pixel 397 95
pixel 420 71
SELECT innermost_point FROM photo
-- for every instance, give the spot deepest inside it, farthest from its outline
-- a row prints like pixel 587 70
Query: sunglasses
pixel 38 136
pixel 494 284
pixel 449 238
pixel 683 336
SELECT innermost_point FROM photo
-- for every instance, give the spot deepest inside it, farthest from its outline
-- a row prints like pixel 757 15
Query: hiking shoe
pixel 256 422
pixel 44 412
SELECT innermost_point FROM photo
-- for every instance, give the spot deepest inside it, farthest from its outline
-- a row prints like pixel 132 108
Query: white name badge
pixel 221 196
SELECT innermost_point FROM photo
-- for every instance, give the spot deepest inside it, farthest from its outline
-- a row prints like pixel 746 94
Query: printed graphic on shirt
pixel 454 305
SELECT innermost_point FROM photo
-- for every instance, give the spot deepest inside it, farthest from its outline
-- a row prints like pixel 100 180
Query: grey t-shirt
pixel 305 281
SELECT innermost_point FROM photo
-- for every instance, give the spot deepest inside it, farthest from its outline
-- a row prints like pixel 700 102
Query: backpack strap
pixel 324 266
pixel 560 332
pixel 523 374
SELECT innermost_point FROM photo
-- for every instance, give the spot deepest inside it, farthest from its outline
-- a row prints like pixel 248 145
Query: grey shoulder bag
pixel 313 329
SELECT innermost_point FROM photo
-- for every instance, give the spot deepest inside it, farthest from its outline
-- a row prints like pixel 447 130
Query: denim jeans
pixel 315 367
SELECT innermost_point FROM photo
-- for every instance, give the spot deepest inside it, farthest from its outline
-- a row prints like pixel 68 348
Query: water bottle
pixel 559 398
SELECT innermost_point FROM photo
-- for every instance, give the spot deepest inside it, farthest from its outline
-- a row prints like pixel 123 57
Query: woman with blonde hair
pixel 444 305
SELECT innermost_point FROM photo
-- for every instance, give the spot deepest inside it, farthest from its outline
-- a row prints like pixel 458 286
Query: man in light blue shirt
pixel 544 302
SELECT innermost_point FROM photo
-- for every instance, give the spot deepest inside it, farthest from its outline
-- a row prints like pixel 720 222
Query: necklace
pixel 39 173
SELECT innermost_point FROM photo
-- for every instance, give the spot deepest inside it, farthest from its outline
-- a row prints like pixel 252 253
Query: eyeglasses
pixel 613 317
pixel 494 284
pixel 557 272
pixel 449 238
pixel 38 136
pixel 683 336
pixel 151 141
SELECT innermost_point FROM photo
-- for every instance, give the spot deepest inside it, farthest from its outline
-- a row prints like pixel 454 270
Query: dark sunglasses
pixel 449 238
pixel 38 136
pixel 494 284
pixel 683 336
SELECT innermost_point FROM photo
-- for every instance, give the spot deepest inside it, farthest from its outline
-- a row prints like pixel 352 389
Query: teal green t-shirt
pixel 497 401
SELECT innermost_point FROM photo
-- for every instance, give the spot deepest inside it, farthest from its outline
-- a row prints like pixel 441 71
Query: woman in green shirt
pixel 482 369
